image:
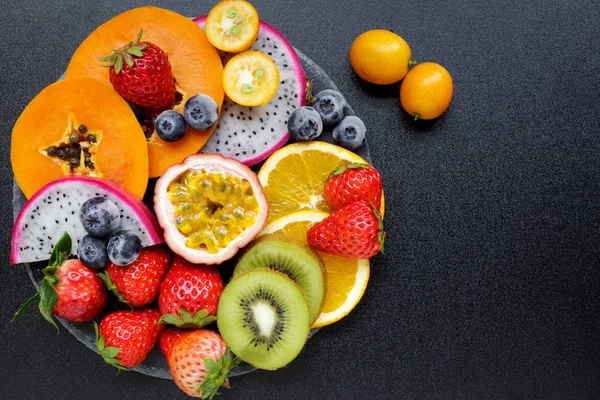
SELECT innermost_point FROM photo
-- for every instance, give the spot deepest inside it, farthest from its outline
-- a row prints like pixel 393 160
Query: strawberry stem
pixel 125 54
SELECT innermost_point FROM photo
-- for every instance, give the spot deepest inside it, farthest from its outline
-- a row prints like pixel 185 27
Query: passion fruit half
pixel 209 207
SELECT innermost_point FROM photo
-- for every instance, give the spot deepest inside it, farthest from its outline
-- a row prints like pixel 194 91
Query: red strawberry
pixel 356 181
pixel 81 294
pixel 125 338
pixel 69 289
pixel 141 74
pixel 137 284
pixel 353 231
pixel 199 360
pixel 189 294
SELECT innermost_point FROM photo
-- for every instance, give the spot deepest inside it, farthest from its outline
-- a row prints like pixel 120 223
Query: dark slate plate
pixel 155 364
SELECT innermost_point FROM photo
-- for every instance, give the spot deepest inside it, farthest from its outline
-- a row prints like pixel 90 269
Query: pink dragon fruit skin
pixel 54 209
pixel 251 134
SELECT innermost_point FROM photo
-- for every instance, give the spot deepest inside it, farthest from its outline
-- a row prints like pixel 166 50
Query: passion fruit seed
pixel 212 209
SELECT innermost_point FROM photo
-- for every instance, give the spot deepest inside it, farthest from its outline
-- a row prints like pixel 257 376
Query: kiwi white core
pixel 265 318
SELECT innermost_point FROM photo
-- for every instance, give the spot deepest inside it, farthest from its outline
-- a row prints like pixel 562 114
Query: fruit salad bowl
pixel 155 364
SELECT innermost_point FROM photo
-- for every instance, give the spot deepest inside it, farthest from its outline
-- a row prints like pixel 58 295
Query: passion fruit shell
pixel 205 180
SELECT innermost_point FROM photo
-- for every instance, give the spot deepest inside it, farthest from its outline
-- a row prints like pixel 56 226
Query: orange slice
pixel 232 26
pixel 294 176
pixel 346 278
pixel 250 78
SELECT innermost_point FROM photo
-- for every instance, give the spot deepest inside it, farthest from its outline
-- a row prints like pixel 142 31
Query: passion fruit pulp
pixel 209 207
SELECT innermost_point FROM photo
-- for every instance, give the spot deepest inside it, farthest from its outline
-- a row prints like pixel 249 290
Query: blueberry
pixel 305 124
pixel 170 126
pixel 201 112
pixel 330 106
pixel 99 216
pixel 92 252
pixel 350 132
pixel 123 248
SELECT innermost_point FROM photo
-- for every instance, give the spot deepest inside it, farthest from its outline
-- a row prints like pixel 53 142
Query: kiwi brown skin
pixel 289 240
pixel 257 352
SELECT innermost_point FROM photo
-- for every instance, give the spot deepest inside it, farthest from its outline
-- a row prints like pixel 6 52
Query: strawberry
pixel 189 294
pixel 353 231
pixel 125 338
pixel 69 289
pixel 137 284
pixel 356 181
pixel 199 360
pixel 141 74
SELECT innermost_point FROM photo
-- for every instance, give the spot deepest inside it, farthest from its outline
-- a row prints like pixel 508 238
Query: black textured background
pixel 489 288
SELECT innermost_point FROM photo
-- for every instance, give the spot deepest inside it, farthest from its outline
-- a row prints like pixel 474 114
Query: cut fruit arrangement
pixel 196 110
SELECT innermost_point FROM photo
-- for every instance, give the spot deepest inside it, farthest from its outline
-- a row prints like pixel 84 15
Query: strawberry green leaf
pixel 106 59
pixel 381 234
pixel 47 295
pixel 113 288
pixel 48 299
pixel 217 374
pixel 25 307
pixel 128 60
pixel 119 63
pixel 187 321
pixel 139 36
pixel 61 251
pixel 135 51
pixel 109 354
pixel 340 170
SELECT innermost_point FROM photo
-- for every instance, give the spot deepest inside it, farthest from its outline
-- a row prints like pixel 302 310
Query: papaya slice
pixel 195 65
pixel 79 126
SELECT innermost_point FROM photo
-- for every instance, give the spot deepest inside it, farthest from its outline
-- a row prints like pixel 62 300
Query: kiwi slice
pixel 288 255
pixel 263 317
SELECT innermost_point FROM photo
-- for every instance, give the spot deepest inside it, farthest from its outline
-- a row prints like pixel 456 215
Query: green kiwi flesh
pixel 263 317
pixel 291 257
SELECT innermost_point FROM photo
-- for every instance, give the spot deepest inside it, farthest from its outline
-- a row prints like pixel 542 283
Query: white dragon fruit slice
pixel 54 210
pixel 251 134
